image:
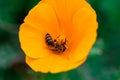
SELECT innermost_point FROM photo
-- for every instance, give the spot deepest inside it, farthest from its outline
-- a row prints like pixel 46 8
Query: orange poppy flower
pixel 57 35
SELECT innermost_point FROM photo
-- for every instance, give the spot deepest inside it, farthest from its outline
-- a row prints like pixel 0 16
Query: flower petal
pixel 40 20
pixel 76 64
pixel 32 42
pixel 65 9
pixel 52 64
pixel 84 33
pixel 43 17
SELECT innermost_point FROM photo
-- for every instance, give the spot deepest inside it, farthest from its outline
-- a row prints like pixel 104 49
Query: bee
pixel 58 44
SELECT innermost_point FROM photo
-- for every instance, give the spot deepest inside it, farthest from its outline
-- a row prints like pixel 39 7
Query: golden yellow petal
pixel 52 64
pixel 32 42
pixel 65 9
pixel 85 28
pixel 73 65
pixel 43 18
pixel 38 65
pixel 40 21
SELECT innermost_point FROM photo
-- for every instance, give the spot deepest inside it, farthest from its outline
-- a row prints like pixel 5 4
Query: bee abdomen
pixel 49 40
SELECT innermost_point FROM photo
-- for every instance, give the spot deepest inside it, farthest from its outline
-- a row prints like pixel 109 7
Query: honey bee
pixel 58 44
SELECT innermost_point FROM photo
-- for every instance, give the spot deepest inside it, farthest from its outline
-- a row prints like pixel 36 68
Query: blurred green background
pixel 103 62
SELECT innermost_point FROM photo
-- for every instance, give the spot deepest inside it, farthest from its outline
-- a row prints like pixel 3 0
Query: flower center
pixel 58 44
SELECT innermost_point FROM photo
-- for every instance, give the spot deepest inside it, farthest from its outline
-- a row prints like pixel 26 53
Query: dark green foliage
pixel 103 63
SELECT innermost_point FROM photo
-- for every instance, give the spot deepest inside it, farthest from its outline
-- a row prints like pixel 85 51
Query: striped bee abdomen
pixel 49 40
